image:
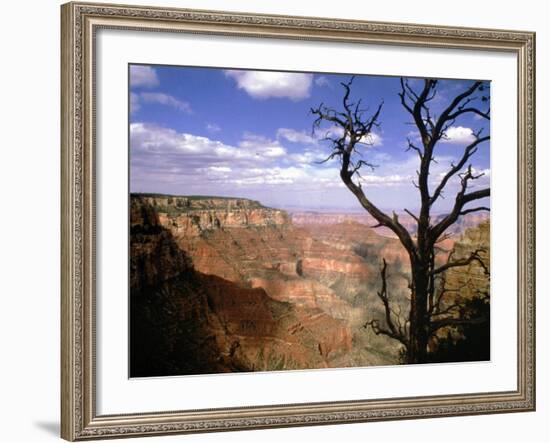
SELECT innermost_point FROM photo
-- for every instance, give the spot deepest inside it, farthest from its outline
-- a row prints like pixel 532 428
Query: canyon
pixel 226 285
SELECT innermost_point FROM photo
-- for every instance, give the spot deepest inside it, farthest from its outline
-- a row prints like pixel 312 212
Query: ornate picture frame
pixel 80 23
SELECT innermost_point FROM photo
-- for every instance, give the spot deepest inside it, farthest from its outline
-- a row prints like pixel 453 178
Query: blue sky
pixel 210 131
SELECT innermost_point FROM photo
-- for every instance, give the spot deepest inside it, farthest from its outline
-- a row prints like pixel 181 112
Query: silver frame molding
pixel 79 22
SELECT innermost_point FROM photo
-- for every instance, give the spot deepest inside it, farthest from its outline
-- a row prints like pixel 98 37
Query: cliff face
pixel 254 246
pixel 471 281
pixel 222 284
pixel 305 218
pixel 468 287
pixel 184 321
pixel 190 216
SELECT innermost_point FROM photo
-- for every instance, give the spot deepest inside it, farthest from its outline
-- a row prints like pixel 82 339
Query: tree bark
pixel 418 337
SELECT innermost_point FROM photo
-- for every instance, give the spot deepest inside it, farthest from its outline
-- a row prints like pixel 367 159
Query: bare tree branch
pixel 476 209
pixel 474 256
pixel 356 129
pixel 411 214
pixel 428 311
pixel 462 198
pixel 391 330
pixel 447 115
pixel 470 150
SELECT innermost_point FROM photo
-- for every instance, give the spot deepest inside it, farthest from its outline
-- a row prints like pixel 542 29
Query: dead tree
pixel 354 133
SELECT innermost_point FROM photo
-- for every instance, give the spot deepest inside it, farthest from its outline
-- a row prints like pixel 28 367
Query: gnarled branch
pixel 473 257
pixel 356 128
pixel 469 151
pixel 392 330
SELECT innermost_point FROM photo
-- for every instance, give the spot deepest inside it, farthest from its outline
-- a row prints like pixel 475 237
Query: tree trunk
pixel 418 336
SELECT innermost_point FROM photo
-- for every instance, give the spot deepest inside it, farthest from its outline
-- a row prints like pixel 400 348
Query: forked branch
pixel 473 257
pixel 395 328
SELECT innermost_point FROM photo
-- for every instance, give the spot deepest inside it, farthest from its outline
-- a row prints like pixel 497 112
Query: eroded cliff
pixel 226 284
pixel 185 321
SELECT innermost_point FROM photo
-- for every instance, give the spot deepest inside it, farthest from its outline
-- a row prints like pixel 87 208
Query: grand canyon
pixel 223 284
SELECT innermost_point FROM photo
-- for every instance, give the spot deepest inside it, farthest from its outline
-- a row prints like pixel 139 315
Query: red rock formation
pixel 472 280
pixel 262 334
pixel 267 293
pixel 185 322
pixel 306 218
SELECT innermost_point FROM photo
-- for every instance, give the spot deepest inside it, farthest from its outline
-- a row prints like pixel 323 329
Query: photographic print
pixel 298 220
pixel 263 217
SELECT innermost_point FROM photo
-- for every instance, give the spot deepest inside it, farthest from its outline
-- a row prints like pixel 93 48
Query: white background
pixel 29 224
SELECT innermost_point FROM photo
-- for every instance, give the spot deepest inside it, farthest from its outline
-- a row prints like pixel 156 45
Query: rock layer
pixel 185 322
pixel 225 284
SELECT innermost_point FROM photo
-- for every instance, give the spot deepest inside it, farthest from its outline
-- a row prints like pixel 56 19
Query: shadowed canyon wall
pixel 185 321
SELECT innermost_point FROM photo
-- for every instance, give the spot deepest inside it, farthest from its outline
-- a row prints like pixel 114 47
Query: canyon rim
pixel 298 221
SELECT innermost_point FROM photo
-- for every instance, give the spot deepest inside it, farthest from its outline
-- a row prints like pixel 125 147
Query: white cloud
pixel 385 180
pixel 458 135
pixel 134 103
pixel 165 159
pixel 220 168
pixel 373 139
pixel 335 131
pixel 307 157
pixel 269 176
pixel 294 136
pixel 212 127
pixel 315 151
pixel 163 156
pixel 143 76
pixel 148 139
pixel 264 84
pixel 322 81
pixel 166 100
pixel 262 146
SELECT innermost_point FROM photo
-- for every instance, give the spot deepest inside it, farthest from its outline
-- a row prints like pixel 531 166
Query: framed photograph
pixel 282 221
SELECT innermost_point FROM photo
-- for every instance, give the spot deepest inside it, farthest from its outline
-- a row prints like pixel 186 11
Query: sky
pixel 248 134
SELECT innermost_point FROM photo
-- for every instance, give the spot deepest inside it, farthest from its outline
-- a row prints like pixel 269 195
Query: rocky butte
pixel 226 284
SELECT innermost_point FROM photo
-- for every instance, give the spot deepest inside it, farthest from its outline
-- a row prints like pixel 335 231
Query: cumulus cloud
pixel 166 143
pixel 264 84
pixel 294 136
pixel 166 160
pixel 262 146
pixel 390 172
pixel 334 131
pixel 458 135
pixel 143 76
pixel 313 150
pixel 166 100
pixel 373 139
pixel 137 99
pixel 322 81
pixel 165 157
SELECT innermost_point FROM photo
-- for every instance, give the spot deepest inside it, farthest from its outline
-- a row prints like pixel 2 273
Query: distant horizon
pixel 289 208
